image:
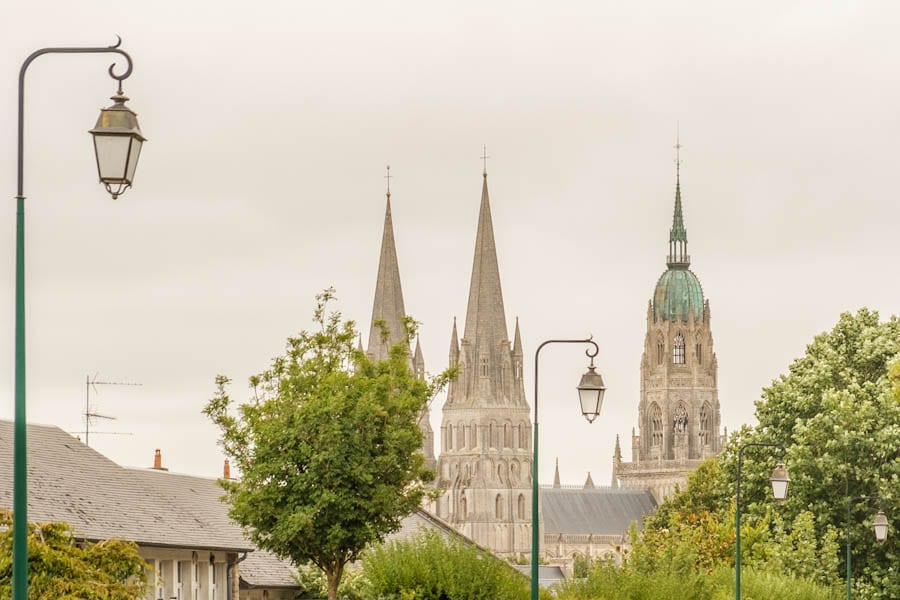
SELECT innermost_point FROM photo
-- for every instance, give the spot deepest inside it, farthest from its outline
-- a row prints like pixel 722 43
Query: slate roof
pixel 262 569
pixel 68 481
pixel 601 511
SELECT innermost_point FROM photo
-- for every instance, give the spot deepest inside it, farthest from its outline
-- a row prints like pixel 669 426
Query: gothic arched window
pixel 484 365
pixel 705 432
pixel 461 436
pixel 699 352
pixel 498 506
pixel 521 506
pixel 678 352
pixel 449 437
pixel 656 425
pixel 507 436
pixel 660 352
pixel 473 435
pixel 462 508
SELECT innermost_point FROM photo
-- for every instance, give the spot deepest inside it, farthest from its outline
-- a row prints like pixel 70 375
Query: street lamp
pixel 879 526
pixel 779 480
pixel 109 124
pixel 590 395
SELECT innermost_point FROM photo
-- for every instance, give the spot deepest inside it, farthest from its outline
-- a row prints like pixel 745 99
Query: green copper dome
pixel 678 294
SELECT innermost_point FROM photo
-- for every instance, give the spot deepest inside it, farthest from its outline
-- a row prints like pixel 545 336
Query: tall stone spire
pixel 388 308
pixel 485 462
pixel 678 256
pixel 556 482
pixel 485 315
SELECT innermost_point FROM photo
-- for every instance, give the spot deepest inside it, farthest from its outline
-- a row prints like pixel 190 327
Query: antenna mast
pixel 89 414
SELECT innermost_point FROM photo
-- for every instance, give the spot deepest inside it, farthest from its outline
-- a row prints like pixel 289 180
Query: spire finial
pixel 484 157
pixel 677 152
pixel 388 177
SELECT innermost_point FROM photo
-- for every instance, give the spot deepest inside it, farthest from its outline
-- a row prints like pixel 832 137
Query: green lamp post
pixel 117 140
pixel 590 396
pixel 779 480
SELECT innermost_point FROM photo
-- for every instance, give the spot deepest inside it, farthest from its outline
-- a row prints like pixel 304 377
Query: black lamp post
pixel 590 395
pixel 118 140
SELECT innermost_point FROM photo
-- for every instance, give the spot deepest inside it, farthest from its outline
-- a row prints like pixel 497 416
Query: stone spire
pixel 589 482
pixel 454 345
pixel 678 256
pixel 485 315
pixel 419 361
pixel 617 453
pixel 517 343
pixel 556 483
pixel 388 308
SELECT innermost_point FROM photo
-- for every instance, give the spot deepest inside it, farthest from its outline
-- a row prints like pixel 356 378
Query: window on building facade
pixel 484 365
pixel 704 425
pixel 656 425
pixel 678 352
pixel 521 506
pixel 498 506
pixel 449 437
pixel 660 352
pixel 462 508
pixel 699 352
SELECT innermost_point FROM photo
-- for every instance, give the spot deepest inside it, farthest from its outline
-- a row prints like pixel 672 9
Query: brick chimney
pixel 157 461
pixel 226 470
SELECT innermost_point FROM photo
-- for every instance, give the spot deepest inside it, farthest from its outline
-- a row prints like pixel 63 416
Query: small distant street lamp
pixel 879 526
pixel 117 140
pixel 590 395
pixel 779 480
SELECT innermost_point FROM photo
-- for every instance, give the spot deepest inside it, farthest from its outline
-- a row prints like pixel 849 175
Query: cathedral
pixel 483 469
pixel 678 411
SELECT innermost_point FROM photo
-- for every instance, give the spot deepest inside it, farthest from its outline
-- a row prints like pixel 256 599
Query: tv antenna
pixel 90 416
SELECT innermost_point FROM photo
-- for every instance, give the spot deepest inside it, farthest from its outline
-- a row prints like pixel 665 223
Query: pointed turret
pixel 419 361
pixel 454 345
pixel 617 453
pixel 485 315
pixel 556 483
pixel 388 310
pixel 517 343
pixel 589 482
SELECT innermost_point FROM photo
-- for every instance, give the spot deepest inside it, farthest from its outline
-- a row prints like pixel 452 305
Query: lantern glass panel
pixel 112 156
pixel 133 159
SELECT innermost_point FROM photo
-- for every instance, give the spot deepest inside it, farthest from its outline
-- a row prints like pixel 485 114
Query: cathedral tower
pixel 388 314
pixel 678 412
pixel 484 469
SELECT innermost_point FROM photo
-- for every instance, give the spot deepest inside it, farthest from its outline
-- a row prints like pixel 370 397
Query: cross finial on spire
pixel 484 157
pixel 677 150
pixel 388 177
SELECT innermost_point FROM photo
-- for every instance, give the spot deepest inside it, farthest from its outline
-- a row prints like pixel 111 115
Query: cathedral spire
pixel 485 315
pixel 454 345
pixel 556 483
pixel 388 308
pixel 678 256
pixel 517 343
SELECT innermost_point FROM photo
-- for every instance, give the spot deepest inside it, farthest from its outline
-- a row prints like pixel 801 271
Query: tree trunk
pixel 333 577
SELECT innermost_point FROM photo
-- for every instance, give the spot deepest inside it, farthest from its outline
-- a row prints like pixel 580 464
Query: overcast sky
pixel 270 125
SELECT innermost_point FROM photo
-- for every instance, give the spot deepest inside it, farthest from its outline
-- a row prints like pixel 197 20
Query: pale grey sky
pixel 269 128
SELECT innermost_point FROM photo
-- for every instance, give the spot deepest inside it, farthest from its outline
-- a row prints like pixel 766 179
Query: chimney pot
pixel 226 470
pixel 157 460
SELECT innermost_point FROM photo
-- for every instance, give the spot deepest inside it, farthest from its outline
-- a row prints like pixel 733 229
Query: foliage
pixel 61 567
pixel 428 567
pixel 328 449
pixel 607 582
pixel 837 413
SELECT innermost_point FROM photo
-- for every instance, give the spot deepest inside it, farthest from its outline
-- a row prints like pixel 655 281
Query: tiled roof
pixel 68 481
pixel 601 511
pixel 262 569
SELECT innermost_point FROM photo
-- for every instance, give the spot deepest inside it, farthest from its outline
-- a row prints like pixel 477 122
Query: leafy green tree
pixel 328 449
pixel 61 567
pixel 837 413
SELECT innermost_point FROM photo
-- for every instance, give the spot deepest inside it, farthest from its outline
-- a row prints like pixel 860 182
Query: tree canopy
pixel 837 413
pixel 60 566
pixel 327 448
